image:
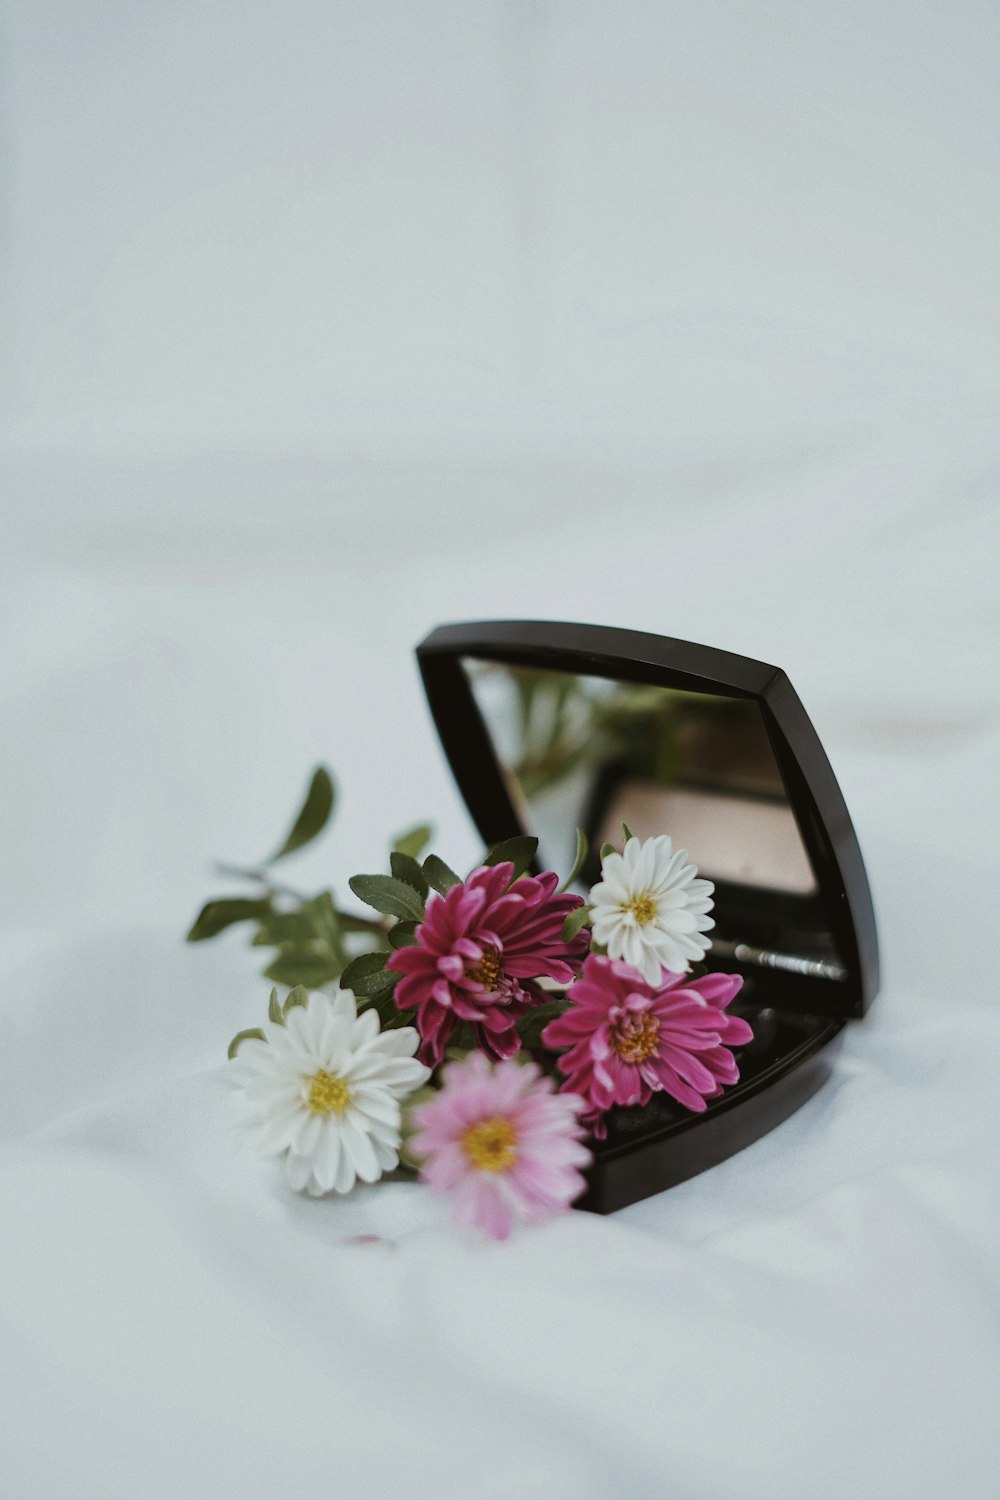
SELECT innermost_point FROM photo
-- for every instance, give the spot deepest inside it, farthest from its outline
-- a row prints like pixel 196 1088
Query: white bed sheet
pixel 758 411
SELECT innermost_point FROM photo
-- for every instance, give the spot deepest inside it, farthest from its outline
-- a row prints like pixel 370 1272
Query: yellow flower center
pixel 328 1094
pixel 489 970
pixel 643 908
pixel 490 1144
pixel 636 1037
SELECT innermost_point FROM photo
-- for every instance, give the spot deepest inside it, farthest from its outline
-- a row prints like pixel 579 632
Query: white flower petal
pixel 649 966
pixel 359 1148
pixel 345 1178
pixel 335 1043
pixel 365 1028
pixel 669 872
pixel 632 947
pixel 386 1156
pixel 652 870
pixel 682 921
pixel 307 1133
pixel 304 1027
pixel 400 1075
pixel 328 1151
pixel 377 1131
pixel 671 899
pixel 275 1135
pixel 645 863
pixel 326 1158
pixel 675 961
pixel 365 1063
pixel 278 1038
pixel 254 1056
pixel 378 1105
pixel 274 1101
pixel 401 1041
pixel 345 1005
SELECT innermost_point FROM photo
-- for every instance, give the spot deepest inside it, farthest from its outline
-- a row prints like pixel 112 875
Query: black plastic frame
pixel 625 1171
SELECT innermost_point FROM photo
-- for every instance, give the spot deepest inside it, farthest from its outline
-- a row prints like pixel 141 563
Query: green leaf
pixel 578 861
pixel 281 929
pixel 533 1023
pixel 216 916
pixel 245 1036
pixel 520 850
pixel 627 832
pixel 462 1041
pixel 350 922
pixel 414 841
pixel 312 818
pixel 367 975
pixel 390 1017
pixel 293 968
pixel 576 919
pixel 439 875
pixel 298 996
pixel 405 867
pixel 310 941
pixel 607 849
pixel 326 925
pixel 526 684
pixel 403 935
pixel 387 894
pixel 274 1010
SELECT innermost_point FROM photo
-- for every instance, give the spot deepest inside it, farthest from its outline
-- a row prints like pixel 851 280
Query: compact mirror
pixel 581 751
pixel 594 753
pixel 552 727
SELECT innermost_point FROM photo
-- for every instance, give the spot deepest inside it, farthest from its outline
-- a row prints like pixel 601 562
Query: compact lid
pixel 550 727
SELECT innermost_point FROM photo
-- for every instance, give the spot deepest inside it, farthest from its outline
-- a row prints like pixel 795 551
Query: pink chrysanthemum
pixel 503 1141
pixel 476 953
pixel 627 1039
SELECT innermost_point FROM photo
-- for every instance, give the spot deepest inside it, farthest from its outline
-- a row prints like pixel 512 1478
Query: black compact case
pixel 552 726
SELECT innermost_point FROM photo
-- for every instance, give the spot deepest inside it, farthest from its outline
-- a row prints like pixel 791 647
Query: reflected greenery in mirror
pixel 585 751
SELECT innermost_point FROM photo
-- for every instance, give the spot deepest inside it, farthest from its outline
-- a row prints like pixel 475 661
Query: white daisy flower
pixel 650 910
pixel 326 1088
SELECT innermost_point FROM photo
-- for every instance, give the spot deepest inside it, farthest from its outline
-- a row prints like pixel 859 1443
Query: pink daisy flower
pixel 476 952
pixel 627 1039
pixel 503 1141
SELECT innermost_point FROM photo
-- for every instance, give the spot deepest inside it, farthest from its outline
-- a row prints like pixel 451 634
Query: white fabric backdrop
pixel 329 322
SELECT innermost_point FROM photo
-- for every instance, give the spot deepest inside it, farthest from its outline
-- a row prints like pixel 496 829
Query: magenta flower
pixel 627 1039
pixel 503 1141
pixel 476 952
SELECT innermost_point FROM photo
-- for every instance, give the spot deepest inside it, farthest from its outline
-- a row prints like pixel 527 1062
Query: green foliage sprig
pixel 276 1012
pixel 317 942
pixel 313 937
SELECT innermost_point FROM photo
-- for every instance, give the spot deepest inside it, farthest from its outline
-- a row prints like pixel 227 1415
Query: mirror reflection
pixel 590 752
